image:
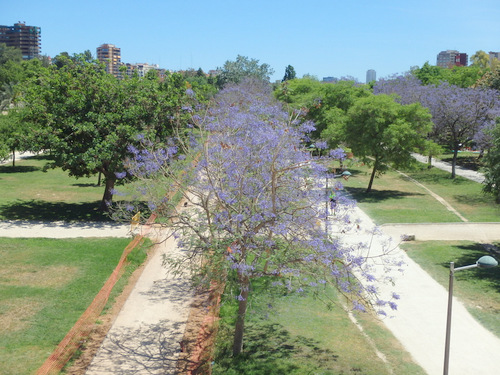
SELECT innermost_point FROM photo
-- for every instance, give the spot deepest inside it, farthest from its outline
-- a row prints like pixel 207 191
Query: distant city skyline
pixel 323 38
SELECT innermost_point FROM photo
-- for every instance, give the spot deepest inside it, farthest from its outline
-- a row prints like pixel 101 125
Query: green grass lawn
pixel 478 289
pixel 45 285
pixel 28 193
pixel 395 199
pixel 299 335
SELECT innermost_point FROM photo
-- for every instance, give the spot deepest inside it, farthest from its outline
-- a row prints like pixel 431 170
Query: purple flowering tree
pixel 254 204
pixel 459 114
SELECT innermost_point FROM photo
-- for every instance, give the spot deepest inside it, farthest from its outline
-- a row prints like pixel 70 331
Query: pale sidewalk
pixel 146 335
pixel 420 320
pixel 466 173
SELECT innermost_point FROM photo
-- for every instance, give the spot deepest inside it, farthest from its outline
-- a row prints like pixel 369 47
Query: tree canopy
pixel 243 67
pixel 461 76
pixel 323 103
pixel 459 114
pixel 383 132
pixel 88 118
pixel 255 202
pixel 289 74
pixel 492 163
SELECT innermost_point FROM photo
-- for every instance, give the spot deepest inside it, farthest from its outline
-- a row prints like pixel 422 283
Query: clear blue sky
pixel 319 37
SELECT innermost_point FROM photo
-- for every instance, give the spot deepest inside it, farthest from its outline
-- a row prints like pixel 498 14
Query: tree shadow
pixel 360 194
pixel 472 253
pixel 151 349
pixel 270 349
pixel 38 210
pixel 87 185
pixel 467 162
pixel 6 169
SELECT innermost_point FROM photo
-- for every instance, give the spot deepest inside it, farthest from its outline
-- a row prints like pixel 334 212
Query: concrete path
pixel 420 320
pixel 467 173
pixel 145 337
pixel 479 232
pixel 60 229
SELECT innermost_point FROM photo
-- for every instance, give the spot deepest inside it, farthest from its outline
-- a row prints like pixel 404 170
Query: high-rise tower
pixel 110 55
pixel 371 75
pixel 26 38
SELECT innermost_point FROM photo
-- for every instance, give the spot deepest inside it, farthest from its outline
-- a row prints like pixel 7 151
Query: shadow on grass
pixel 468 162
pixel 374 196
pixel 18 169
pixel 270 349
pixel 474 199
pixel 436 176
pixel 472 253
pixel 38 210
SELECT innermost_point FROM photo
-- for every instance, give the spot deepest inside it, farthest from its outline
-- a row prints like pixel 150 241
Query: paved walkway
pixel 420 320
pixel 145 337
pixel 60 229
pixel 467 173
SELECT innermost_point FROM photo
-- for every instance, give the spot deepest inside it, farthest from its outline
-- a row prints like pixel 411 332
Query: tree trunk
pixel 107 198
pixel 454 161
pixel 372 177
pixel 13 158
pixel 240 319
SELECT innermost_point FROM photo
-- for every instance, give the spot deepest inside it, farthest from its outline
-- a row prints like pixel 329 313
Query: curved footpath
pixel 420 320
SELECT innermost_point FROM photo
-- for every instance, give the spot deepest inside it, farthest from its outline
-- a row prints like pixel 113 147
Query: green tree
pixel 383 132
pixel 490 79
pixel 12 134
pixel 461 76
pixel 289 74
pixel 480 59
pixel 325 103
pixel 88 118
pixel 492 164
pixel 243 67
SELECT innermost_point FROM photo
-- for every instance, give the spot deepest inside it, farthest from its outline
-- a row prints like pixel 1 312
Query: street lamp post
pixel 483 262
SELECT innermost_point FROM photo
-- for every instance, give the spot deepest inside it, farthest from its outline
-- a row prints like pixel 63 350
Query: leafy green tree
pixel 243 67
pixel 461 76
pixel 383 132
pixel 490 79
pixel 88 118
pixel 10 73
pixel 289 74
pixel 492 164
pixel 12 134
pixel 325 103
pixel 480 59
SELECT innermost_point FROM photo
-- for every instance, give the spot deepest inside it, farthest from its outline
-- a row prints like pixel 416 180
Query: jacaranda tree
pixel 492 163
pixel 254 204
pixel 458 114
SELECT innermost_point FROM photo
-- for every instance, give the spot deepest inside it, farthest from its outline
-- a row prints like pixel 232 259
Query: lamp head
pixel 487 262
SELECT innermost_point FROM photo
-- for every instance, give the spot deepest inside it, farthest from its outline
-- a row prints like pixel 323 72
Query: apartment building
pixel 26 38
pixel 110 55
pixel 450 58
